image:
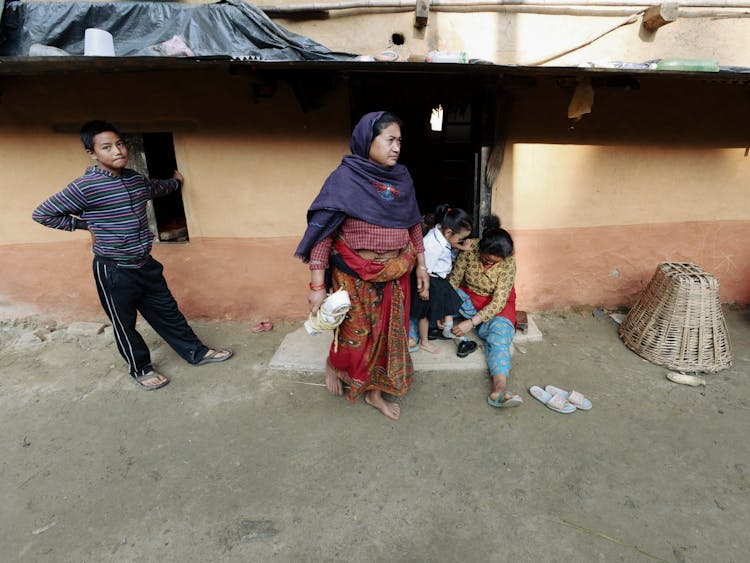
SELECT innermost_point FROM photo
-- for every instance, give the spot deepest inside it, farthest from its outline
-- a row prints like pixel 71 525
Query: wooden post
pixel 422 13
pixel 657 16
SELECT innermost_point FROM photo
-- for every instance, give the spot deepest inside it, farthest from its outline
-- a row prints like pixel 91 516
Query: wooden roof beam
pixel 658 16
pixel 422 14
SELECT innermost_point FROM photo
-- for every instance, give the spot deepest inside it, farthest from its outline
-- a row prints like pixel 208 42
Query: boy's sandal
pixel 141 380
pixel 498 402
pixel 215 356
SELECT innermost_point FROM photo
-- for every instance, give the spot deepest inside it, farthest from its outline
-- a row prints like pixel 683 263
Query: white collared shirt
pixel 437 253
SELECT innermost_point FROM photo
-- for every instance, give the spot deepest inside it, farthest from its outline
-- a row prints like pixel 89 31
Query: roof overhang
pixel 50 66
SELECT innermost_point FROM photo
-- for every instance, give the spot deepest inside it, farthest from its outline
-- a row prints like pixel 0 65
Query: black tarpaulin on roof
pixel 232 28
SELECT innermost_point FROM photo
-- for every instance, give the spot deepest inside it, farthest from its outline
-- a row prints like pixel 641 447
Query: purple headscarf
pixel 360 188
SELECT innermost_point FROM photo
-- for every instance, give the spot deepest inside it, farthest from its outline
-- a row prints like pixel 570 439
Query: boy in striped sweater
pixel 109 201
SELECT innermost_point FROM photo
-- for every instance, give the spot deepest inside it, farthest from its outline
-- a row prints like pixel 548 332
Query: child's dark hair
pixel 453 218
pixel 495 241
pixel 384 121
pixel 91 129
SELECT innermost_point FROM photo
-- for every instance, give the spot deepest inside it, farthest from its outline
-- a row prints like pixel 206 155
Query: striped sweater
pixel 112 207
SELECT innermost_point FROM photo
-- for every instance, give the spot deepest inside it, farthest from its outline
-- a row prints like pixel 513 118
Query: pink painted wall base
pixel 246 279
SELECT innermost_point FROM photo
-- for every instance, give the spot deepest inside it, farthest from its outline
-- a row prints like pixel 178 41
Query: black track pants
pixel 125 292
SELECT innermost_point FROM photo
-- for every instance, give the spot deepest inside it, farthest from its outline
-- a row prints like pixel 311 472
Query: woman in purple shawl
pixel 365 228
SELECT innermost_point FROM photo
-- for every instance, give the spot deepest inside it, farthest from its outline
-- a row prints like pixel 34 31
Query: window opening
pixel 169 211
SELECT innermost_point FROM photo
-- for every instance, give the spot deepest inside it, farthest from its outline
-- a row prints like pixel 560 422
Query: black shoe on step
pixel 466 347
pixel 436 334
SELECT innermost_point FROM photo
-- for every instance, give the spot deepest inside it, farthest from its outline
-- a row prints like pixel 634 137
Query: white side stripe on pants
pixel 119 331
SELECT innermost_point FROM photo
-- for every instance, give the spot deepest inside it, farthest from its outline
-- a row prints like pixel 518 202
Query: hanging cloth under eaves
pixel 232 28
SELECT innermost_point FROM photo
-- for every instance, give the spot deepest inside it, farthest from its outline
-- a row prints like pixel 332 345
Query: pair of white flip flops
pixel 560 400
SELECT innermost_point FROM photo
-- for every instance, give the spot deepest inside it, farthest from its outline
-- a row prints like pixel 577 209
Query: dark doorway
pixel 446 163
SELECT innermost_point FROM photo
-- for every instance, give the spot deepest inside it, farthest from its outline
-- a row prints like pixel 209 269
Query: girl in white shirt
pixel 450 228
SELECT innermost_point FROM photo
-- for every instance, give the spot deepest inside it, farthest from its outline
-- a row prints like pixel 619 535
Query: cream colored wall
pixel 564 186
pixel 35 163
pixel 724 40
pixel 266 161
pixel 506 38
pixel 251 169
pixel 254 185
pixel 642 156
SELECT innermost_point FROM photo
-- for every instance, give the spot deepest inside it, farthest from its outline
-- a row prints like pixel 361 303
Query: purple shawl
pixel 360 188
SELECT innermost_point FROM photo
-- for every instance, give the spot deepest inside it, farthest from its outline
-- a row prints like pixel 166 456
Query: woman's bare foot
pixel 333 383
pixel 427 347
pixel 391 410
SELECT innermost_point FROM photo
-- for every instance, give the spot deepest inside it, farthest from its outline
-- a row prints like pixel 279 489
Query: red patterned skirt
pixel 371 350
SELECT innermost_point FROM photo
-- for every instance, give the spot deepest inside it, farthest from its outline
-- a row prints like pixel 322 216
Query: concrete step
pixel 301 352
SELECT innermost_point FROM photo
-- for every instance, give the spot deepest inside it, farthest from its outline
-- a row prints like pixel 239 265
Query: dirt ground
pixel 235 462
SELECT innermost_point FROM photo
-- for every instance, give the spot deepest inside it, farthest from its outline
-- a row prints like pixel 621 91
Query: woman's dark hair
pixel 91 129
pixel 384 121
pixel 453 218
pixel 495 241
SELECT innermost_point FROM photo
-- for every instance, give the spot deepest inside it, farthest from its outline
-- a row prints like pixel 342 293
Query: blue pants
pixel 413 330
pixel 498 335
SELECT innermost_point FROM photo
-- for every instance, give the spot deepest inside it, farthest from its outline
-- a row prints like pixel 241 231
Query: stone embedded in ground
pixel 82 328
pixel 28 340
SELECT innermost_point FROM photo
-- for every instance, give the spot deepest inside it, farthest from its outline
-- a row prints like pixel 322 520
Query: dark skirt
pixel 443 301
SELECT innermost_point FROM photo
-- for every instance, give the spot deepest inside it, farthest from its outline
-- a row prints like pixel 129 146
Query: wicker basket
pixel 677 321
